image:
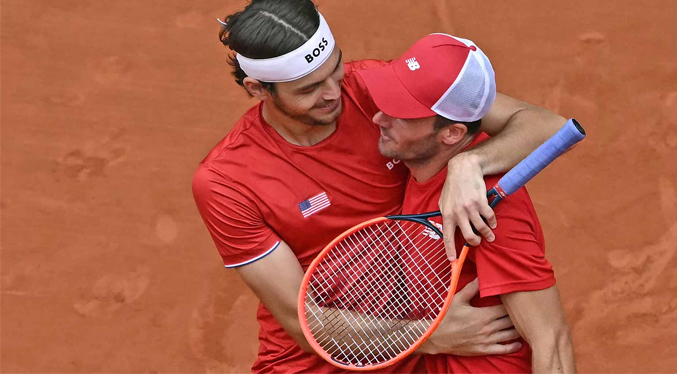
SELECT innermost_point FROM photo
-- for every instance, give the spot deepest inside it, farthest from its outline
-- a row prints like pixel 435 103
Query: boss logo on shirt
pixel 392 164
pixel 317 51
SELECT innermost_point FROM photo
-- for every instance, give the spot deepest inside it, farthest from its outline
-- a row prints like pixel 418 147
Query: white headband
pixel 295 64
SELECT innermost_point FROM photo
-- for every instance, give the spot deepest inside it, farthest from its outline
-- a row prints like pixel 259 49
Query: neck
pixel 424 169
pixel 293 130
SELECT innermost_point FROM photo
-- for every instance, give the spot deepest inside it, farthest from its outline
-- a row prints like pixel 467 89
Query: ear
pixel 256 89
pixel 453 134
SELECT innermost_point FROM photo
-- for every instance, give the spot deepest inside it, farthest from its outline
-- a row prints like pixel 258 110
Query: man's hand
pixel 464 201
pixel 469 331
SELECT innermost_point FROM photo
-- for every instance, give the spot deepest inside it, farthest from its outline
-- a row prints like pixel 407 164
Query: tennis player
pixel 428 116
pixel 302 166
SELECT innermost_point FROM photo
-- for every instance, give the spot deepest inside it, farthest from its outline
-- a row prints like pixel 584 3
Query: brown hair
pixel 267 29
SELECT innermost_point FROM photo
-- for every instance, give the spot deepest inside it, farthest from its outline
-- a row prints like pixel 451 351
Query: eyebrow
pixel 309 85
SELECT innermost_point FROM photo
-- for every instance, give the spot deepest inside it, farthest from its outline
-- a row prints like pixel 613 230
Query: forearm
pixel 276 280
pixel 555 355
pixel 289 320
pixel 341 329
pixel 525 130
pixel 539 318
pixel 284 309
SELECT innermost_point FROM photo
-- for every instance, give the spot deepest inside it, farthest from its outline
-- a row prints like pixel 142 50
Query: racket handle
pixel 567 136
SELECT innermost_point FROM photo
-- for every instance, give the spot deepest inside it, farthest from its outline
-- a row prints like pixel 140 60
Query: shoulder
pixel 356 89
pixel 232 156
pixel 355 66
pixel 211 186
pixel 352 77
pixel 243 144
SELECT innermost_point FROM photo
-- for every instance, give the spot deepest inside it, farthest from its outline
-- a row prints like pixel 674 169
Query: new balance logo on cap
pixel 439 75
pixel 413 64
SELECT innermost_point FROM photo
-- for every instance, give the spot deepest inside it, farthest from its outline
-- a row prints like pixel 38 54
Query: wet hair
pixel 441 122
pixel 267 29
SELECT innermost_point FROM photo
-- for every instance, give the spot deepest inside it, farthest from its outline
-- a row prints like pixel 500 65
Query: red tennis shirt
pixel 514 262
pixel 255 189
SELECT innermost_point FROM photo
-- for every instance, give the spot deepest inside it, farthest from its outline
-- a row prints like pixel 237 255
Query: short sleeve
pixel 515 261
pixel 235 223
pixel 355 87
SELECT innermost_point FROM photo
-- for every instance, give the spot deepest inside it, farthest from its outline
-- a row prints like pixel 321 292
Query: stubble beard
pixel 419 153
pixel 305 118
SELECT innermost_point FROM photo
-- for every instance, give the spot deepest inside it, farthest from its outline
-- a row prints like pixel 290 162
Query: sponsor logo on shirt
pixel 392 164
pixel 314 204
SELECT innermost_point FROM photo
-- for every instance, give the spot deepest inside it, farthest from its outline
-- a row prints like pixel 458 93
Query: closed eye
pixel 310 89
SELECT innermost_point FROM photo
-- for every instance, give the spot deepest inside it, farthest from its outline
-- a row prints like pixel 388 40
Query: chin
pixel 327 119
pixel 386 151
pixel 333 115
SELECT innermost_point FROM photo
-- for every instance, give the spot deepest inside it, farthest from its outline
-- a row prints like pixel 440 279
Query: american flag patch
pixel 314 204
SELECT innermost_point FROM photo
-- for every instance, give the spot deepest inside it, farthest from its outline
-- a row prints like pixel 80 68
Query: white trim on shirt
pixel 277 244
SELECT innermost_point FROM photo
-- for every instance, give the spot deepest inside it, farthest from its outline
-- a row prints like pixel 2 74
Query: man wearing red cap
pixel 432 101
pixel 302 166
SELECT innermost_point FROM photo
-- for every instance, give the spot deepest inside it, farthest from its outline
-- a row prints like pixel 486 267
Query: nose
pixel 331 90
pixel 381 119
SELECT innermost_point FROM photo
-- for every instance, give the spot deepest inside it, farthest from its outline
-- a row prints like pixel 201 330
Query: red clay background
pixel 108 106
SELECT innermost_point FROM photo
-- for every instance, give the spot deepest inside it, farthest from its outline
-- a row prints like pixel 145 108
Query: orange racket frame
pixel 456 266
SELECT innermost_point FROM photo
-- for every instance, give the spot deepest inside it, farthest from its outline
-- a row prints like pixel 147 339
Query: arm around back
pixel 516 129
pixel 276 280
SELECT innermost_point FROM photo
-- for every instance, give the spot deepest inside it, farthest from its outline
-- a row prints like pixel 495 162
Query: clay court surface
pixel 108 107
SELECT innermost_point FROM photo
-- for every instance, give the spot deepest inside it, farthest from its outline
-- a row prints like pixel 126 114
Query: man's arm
pixel 276 280
pixel 539 318
pixel 516 129
pixel 476 331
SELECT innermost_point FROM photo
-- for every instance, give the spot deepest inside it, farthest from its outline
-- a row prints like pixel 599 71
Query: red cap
pixel 439 74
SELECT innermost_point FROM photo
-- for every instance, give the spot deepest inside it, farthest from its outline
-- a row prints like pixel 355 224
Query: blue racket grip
pixel 567 136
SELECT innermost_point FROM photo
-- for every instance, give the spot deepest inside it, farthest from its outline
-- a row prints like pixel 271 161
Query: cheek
pixel 410 138
pixel 298 103
pixel 308 102
pixel 314 101
pixel 402 133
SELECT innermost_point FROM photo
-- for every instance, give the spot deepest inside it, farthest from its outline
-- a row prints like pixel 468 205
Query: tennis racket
pixel 379 290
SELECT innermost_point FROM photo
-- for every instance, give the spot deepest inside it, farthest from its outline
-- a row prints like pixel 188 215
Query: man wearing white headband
pixel 302 166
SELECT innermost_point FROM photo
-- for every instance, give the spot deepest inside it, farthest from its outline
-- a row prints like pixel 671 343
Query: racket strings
pixel 380 264
pixel 341 328
pixel 380 267
pixel 374 277
pixel 397 342
pixel 375 274
pixel 415 263
pixel 440 259
pixel 377 292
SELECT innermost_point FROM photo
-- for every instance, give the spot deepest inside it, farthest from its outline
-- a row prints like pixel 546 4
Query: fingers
pixel 468 234
pixel 488 214
pixel 503 336
pixel 500 324
pixel 501 349
pixel 448 229
pixel 467 293
pixel 482 227
pixel 494 312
